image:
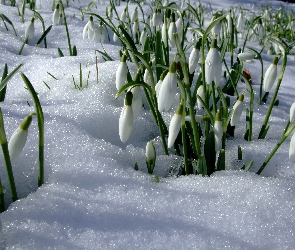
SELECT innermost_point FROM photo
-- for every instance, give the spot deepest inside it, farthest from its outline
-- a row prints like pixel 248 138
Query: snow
pixel 93 198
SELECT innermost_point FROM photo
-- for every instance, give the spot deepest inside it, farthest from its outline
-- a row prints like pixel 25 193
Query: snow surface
pixel 93 198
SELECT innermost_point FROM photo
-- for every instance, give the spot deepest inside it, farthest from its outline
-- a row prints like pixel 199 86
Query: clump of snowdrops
pixel 176 55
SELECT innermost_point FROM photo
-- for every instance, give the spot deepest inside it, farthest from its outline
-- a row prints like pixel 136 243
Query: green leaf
pixel 247 165
pixel 209 151
pixel 11 74
pixel 131 84
pixel 43 35
pixel 40 119
pixel 4 75
pixel 8 20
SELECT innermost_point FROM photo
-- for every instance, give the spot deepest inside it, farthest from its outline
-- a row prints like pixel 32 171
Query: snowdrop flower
pixel 157 18
pixel 135 28
pixel 30 30
pixel 217 27
pixel 147 77
pixel 115 37
pixel 126 118
pixel 179 29
pixel 134 15
pixel 213 66
pixel 241 22
pixel 143 36
pixel 260 29
pixel 172 29
pixel 159 83
pixel 174 126
pixel 19 138
pixel 55 16
pixel 270 75
pixel 136 101
pixel 101 31
pixel 292 148
pixel 218 131
pixel 164 34
pixel 123 16
pixel 121 73
pixel 194 57
pixel 168 89
pixel 246 56
pixel 60 19
pixel 150 154
pixel 292 113
pixel 89 29
pixel 201 93
pixel 237 111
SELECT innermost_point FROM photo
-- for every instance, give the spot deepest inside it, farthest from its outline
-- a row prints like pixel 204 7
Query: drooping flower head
pixel 88 30
pixel 174 126
pixel 237 111
pixel 126 118
pixel 19 138
pixel 30 30
pixel 168 89
pixel 150 153
pixel 292 113
pixel 194 57
pixel 270 75
pixel 218 131
pixel 213 65
pixel 121 73
pixel 55 15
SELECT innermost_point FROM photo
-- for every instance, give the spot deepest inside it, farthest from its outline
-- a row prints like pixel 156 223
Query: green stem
pixel 67 30
pixel 284 137
pixel 7 161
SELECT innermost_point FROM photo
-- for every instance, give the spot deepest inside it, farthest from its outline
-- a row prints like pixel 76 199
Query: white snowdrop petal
pixel 136 101
pixel 193 60
pixel 270 77
pixel 238 109
pixel 121 75
pixel 292 113
pixel 292 148
pixel 125 123
pixel 174 128
pixel 17 142
pixel 167 92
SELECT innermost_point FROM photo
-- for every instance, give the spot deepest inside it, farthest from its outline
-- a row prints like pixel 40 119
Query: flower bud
pixel 126 118
pixel 121 73
pixel 150 153
pixel 174 126
pixel 292 148
pixel 292 113
pixel 19 138
pixel 237 111
pixel 55 15
pixel 168 89
pixel 213 66
pixel 30 30
pixel 270 75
